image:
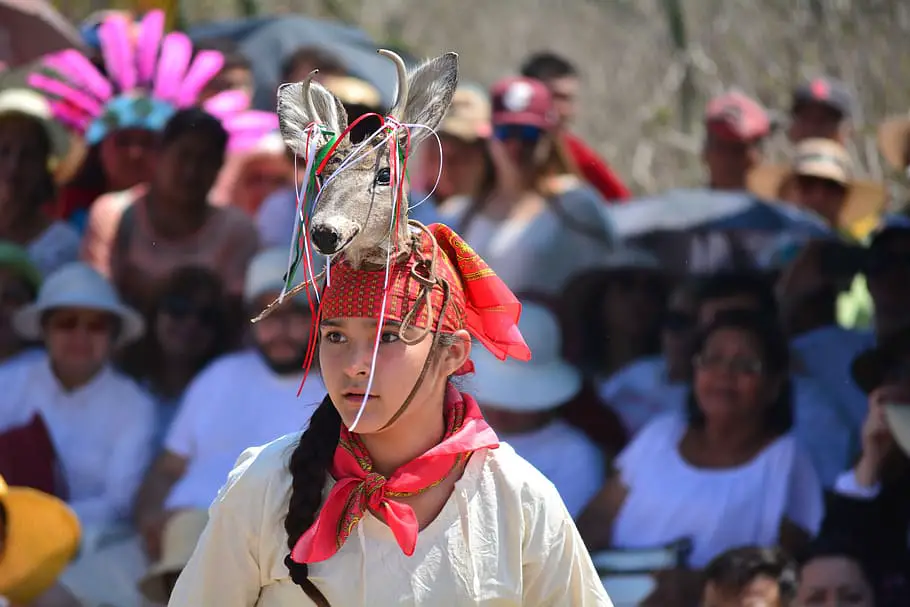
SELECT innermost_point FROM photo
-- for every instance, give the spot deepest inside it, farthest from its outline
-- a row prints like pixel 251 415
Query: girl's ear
pixel 456 354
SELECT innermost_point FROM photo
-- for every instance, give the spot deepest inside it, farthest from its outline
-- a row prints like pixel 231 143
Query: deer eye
pixel 383 177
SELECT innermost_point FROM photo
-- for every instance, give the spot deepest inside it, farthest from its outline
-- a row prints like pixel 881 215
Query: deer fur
pixel 354 212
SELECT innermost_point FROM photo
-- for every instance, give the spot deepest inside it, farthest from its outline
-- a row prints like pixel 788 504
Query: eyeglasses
pixel 738 365
pixel 521 132
pixel 181 308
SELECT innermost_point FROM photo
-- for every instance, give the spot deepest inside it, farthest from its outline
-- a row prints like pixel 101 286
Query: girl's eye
pixel 389 337
pixel 333 337
pixel 383 177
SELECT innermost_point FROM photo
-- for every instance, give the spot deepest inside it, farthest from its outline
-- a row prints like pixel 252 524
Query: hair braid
pixel 308 466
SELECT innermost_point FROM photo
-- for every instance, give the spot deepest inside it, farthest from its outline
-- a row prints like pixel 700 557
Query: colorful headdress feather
pixel 150 76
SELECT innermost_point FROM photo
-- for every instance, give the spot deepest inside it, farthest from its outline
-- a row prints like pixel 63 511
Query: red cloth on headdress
pixel 479 301
pixel 358 489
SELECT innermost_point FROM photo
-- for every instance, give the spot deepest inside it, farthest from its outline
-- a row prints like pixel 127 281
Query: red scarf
pixel 357 488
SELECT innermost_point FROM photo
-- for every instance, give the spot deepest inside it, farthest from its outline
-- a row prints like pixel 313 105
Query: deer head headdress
pixel 360 207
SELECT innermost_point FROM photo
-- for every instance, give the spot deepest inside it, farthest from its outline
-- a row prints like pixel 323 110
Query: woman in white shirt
pixel 730 473
pixel 398 492
pixel 100 422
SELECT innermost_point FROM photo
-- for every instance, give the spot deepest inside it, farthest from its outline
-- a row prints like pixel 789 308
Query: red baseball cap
pixel 522 101
pixel 736 116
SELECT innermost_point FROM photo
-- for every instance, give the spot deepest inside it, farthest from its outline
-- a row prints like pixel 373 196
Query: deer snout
pixel 329 239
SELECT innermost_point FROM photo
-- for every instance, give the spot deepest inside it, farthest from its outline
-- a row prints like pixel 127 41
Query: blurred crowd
pixel 726 431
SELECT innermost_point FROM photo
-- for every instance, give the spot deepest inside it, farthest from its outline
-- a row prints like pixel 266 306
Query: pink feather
pixel 69 115
pixel 68 93
pixel 251 122
pixel 205 66
pixel 227 103
pixel 176 51
pixel 243 143
pixel 150 33
pixel 77 68
pixel 117 50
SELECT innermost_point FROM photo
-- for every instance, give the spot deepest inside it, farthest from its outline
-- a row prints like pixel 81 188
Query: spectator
pixel 29 145
pixel 142 235
pixel 751 576
pixel 561 78
pixel 821 109
pixel 250 176
pixel 521 401
pixel 833 573
pixel 894 142
pixel 736 126
pixel 536 203
pixel 101 423
pixel 19 284
pixel 728 472
pixel 298 65
pixel 236 74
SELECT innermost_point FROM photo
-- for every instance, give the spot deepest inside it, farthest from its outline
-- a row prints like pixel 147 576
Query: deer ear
pixel 296 113
pixel 430 90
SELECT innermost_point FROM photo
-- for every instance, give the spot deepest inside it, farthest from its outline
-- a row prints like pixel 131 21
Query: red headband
pixel 478 300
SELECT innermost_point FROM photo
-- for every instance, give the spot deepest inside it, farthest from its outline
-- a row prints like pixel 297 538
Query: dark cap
pixel 737 116
pixel 872 367
pixel 825 91
pixel 522 101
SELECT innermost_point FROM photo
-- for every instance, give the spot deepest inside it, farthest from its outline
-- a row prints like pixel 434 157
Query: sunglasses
pixel 181 308
pixel 520 132
pixel 70 323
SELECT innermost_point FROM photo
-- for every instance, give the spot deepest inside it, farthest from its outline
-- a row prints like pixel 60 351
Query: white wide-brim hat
pixel 540 384
pixel 77 285
pixel 898 417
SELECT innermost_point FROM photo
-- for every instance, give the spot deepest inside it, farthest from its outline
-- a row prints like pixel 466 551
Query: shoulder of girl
pixel 259 470
pixel 514 474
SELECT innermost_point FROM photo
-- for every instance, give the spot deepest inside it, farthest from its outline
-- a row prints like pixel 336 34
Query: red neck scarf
pixel 358 489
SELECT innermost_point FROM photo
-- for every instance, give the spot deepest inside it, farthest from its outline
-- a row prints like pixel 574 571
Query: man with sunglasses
pixel 870 505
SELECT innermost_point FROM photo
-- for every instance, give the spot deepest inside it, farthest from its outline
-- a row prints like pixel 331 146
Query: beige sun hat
pixel 469 116
pixel 825 159
pixel 893 139
pixel 352 91
pixel 181 533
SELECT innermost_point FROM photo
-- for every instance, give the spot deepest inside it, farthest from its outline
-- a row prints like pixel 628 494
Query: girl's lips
pixel 354 397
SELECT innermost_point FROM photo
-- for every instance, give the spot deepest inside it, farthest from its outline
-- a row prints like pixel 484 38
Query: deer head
pixel 354 213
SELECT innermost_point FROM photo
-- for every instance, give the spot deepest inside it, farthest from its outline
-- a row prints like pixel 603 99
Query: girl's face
pixel 834 581
pixel 128 157
pixel 730 378
pixel 23 159
pixel 346 348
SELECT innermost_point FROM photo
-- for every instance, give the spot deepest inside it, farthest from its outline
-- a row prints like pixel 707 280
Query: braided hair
pixel 308 466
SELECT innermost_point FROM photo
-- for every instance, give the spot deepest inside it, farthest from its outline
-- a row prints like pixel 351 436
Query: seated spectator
pixel 178 541
pixel 727 473
pixel 142 235
pixel 751 576
pixel 236 73
pixel 537 204
pixel 100 422
pixel 39 536
pixel 833 573
pixel 188 328
pixel 562 80
pixel 241 400
pixel 870 505
pixel 736 127
pixel 28 148
pixel 252 175
pixel 520 400
pixel 20 280
pixel 821 108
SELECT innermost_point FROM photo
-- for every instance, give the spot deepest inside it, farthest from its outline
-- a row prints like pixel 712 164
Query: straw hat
pixel 893 137
pixel 825 159
pixel 468 117
pixel 542 383
pixel 76 285
pixel 42 537
pixel 181 533
pixel 352 91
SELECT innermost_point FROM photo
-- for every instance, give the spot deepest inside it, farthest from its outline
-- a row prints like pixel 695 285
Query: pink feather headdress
pixel 150 76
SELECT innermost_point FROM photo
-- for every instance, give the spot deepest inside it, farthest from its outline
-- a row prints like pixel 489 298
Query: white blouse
pixel 718 509
pixel 503 538
pixel 102 432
